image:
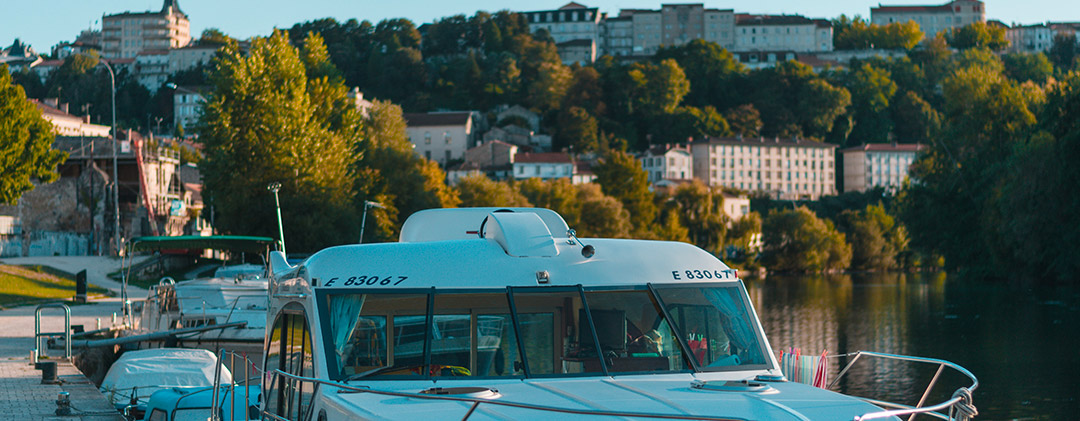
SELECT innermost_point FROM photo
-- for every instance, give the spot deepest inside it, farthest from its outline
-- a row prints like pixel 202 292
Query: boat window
pixel 379 333
pixel 633 335
pixel 157 415
pixel 290 350
pixel 473 335
pixel 191 414
pixel 715 323
pixel 551 335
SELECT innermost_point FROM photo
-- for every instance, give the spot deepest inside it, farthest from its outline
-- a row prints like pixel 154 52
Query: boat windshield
pixel 539 332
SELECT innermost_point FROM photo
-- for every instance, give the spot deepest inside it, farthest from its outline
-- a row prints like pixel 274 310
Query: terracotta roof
pixel 765 141
pixel 454 118
pixel 544 157
pixel 50 63
pixel 750 20
pixel 887 147
pixel 51 110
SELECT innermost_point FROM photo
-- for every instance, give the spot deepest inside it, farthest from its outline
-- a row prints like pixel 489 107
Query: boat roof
pixel 163 367
pixel 508 248
pixel 240 243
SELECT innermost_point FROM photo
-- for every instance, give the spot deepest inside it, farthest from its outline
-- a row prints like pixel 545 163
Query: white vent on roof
pixel 464 223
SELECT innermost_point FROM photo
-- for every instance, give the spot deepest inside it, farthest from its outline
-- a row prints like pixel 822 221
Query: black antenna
pixel 586 251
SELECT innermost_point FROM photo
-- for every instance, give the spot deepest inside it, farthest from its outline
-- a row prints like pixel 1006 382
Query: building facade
pixel 784 168
pixel 932 19
pixel 441 136
pixel 126 35
pixel 187 101
pixel 66 124
pixel 667 162
pixel 1029 38
pixel 545 166
pixel 780 33
pixel 572 22
pixel 877 165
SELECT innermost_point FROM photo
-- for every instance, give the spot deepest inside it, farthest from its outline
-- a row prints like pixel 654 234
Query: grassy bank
pixel 21 285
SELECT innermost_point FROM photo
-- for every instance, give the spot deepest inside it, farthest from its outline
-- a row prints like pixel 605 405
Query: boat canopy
pixel 241 243
pixel 140 373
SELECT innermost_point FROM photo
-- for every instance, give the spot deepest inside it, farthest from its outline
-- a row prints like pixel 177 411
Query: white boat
pixel 487 313
pixel 136 375
pixel 233 294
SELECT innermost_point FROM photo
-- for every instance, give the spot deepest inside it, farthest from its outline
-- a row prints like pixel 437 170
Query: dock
pixel 23 397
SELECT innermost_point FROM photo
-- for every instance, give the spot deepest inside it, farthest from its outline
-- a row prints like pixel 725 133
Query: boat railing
pixel 476 402
pixel 158 298
pixel 960 406
pixel 249 368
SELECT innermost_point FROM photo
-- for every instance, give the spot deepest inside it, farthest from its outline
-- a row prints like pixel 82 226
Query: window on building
pixel 427 138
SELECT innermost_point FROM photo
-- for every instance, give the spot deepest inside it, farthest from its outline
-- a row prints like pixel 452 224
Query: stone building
pixel 126 35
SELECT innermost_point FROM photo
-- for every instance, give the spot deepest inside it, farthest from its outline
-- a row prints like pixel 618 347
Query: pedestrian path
pixel 24 398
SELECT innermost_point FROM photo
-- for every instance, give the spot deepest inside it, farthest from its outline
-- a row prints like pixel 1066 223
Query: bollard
pixel 63 404
pixel 80 286
pixel 48 372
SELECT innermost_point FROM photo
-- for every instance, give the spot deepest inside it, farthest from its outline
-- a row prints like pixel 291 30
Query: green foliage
pixel 798 241
pixel 1064 51
pixel 701 211
pixel 26 138
pixel 916 120
pixel 978 35
pixel 744 120
pixel 875 237
pixel 794 101
pixel 872 90
pixel 603 216
pixel 258 121
pixel 1023 67
pixel 480 191
pixel 621 177
pixel 577 129
pixel 859 34
pixel 713 73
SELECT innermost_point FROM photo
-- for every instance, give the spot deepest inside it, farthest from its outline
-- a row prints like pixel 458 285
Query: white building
pixel 128 34
pixel 667 162
pixel 190 56
pixel 187 101
pixel 152 68
pixel 1029 38
pixel 785 168
pixel 545 166
pixel 877 165
pixel 782 33
pixel 736 206
pixel 66 124
pixel 441 136
pixel 931 19
pixel 572 22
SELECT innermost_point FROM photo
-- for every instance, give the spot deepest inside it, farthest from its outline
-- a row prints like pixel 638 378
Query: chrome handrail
pixel 477 402
pixel 960 404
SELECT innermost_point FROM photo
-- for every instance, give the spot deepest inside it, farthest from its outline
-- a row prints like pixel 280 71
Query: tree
pixel 556 194
pixel 713 72
pixel 546 92
pixel 689 123
pixel 701 211
pixel 793 101
pixel 978 35
pixel 26 153
pixel 577 129
pixel 859 34
pixel 257 128
pixel 480 191
pixel 621 177
pixel 744 120
pixel 1023 67
pixel 871 89
pixel 916 120
pixel 875 237
pixel 798 241
pixel 602 216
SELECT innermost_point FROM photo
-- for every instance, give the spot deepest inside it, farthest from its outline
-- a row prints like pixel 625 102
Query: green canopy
pixel 239 243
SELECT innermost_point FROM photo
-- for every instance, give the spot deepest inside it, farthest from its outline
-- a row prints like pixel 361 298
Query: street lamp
pixel 115 146
pixel 363 219
pixel 274 187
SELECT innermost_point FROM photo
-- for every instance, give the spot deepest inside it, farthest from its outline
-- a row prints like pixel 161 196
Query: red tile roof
pixel 909 9
pixel 545 157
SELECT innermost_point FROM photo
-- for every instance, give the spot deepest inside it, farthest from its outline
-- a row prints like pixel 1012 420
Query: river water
pixel 1022 343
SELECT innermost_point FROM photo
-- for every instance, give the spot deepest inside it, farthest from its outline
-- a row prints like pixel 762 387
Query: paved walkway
pixel 24 398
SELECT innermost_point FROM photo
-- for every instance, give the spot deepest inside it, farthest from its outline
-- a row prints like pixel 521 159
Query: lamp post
pixel 274 187
pixel 115 146
pixel 363 219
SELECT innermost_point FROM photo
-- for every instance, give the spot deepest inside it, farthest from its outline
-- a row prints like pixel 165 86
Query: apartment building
pixel 126 35
pixel 877 165
pixel 781 33
pixel 932 19
pixel 788 168
pixel 641 32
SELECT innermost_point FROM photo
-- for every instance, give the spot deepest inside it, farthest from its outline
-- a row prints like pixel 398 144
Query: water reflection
pixel 1022 343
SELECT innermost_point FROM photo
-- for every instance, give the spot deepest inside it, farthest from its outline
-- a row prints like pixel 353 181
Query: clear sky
pixel 44 23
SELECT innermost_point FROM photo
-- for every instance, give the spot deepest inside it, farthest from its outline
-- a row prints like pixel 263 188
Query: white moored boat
pixel 487 313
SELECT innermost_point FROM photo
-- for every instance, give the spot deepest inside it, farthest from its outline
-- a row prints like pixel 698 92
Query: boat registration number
pixel 366 281
pixel 696 274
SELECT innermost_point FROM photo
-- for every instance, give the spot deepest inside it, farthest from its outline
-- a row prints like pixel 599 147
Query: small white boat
pixel 490 313
pixel 234 293
pixel 136 375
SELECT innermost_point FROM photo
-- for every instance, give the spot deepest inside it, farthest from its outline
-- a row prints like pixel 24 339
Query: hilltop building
pixel 128 34
pixel 782 33
pixel 66 124
pixel 442 136
pixel 667 162
pixel 931 19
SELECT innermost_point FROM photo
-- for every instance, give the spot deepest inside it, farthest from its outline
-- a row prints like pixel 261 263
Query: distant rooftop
pixel 450 118
pixel 765 141
pixel 887 147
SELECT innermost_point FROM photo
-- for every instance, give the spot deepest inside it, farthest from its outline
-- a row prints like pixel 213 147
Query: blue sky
pixel 45 23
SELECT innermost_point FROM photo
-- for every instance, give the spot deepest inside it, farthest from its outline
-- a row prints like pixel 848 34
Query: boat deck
pixel 23 397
